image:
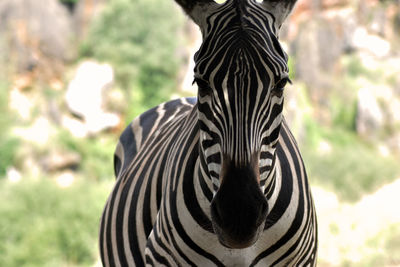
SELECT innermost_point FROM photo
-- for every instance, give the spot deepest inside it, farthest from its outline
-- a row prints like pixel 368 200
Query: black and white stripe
pixel 216 180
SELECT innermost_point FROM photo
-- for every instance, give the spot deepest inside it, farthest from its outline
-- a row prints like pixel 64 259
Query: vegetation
pixel 45 225
pixel 338 160
pixel 8 143
pixel 142 47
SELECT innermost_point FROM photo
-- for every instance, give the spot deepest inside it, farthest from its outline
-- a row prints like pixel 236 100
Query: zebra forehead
pixel 240 59
pixel 234 34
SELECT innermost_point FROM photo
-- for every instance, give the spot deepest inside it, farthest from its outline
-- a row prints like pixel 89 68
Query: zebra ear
pixel 279 8
pixel 197 9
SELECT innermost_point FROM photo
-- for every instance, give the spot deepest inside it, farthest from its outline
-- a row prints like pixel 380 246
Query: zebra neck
pixel 209 184
pixel 269 184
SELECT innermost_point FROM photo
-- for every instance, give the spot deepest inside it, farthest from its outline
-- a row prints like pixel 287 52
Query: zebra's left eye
pixel 280 85
pixel 204 87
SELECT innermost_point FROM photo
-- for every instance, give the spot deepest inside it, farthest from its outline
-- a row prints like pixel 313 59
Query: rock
pixel 296 109
pixel 13 175
pixel 370 43
pixel 38 133
pixel 393 112
pixel 60 160
pixel 21 104
pixel 394 143
pixel 369 118
pixel 76 127
pixel 305 49
pixel 85 96
pixel 321 42
pixel 84 12
pixel 303 6
pixel 65 179
pixel 37 34
pixel 314 64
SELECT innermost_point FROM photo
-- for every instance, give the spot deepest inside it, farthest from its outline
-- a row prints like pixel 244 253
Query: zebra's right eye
pixel 204 87
pixel 280 85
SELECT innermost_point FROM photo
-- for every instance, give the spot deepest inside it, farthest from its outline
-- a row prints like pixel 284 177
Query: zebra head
pixel 240 71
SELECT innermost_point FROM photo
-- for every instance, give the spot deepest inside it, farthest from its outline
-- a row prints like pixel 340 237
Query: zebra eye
pixel 204 87
pixel 280 85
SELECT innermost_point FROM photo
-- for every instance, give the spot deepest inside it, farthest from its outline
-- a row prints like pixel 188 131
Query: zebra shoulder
pixel 143 126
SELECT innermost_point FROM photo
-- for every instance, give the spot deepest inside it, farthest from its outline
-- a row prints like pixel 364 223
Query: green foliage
pixel 354 67
pixel 343 109
pixel 96 153
pixel 8 143
pixel 44 225
pixel 343 99
pixel 140 39
pixel 351 168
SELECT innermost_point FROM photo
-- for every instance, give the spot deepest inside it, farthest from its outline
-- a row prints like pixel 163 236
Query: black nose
pixel 239 207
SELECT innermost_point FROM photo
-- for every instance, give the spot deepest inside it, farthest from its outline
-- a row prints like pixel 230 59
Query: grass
pixel 381 250
pixel 348 166
pixel 45 225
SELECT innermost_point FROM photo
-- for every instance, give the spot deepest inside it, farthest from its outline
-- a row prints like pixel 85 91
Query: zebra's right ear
pixel 279 8
pixel 197 9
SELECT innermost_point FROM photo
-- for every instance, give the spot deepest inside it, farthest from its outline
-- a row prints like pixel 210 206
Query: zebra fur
pixel 181 166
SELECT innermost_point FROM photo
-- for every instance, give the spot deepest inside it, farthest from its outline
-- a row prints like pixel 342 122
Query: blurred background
pixel 74 73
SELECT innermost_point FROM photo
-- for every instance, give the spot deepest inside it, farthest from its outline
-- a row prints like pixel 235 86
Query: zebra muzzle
pixel 239 209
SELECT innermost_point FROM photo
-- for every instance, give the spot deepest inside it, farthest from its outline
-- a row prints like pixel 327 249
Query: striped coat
pixel 216 180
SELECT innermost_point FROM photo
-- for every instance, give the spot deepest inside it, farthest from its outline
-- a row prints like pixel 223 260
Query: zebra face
pixel 240 71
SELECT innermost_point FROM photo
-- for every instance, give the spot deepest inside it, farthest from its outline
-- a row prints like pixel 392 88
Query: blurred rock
pixel 38 133
pixel 13 175
pixel 296 109
pixel 83 13
pixel 370 43
pixel 76 127
pixel 21 104
pixel 369 118
pixel 317 50
pixel 37 36
pixel 60 160
pixel 65 179
pixel 394 143
pixel 393 112
pixel 85 96
pixel 308 5
pixel 321 42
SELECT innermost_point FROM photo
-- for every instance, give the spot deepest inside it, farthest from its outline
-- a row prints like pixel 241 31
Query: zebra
pixel 216 180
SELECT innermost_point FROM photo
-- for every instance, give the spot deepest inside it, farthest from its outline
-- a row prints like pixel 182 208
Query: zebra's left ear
pixel 280 9
pixel 197 9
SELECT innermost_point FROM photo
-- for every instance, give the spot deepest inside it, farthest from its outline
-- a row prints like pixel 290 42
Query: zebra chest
pixel 183 242
pixel 183 235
